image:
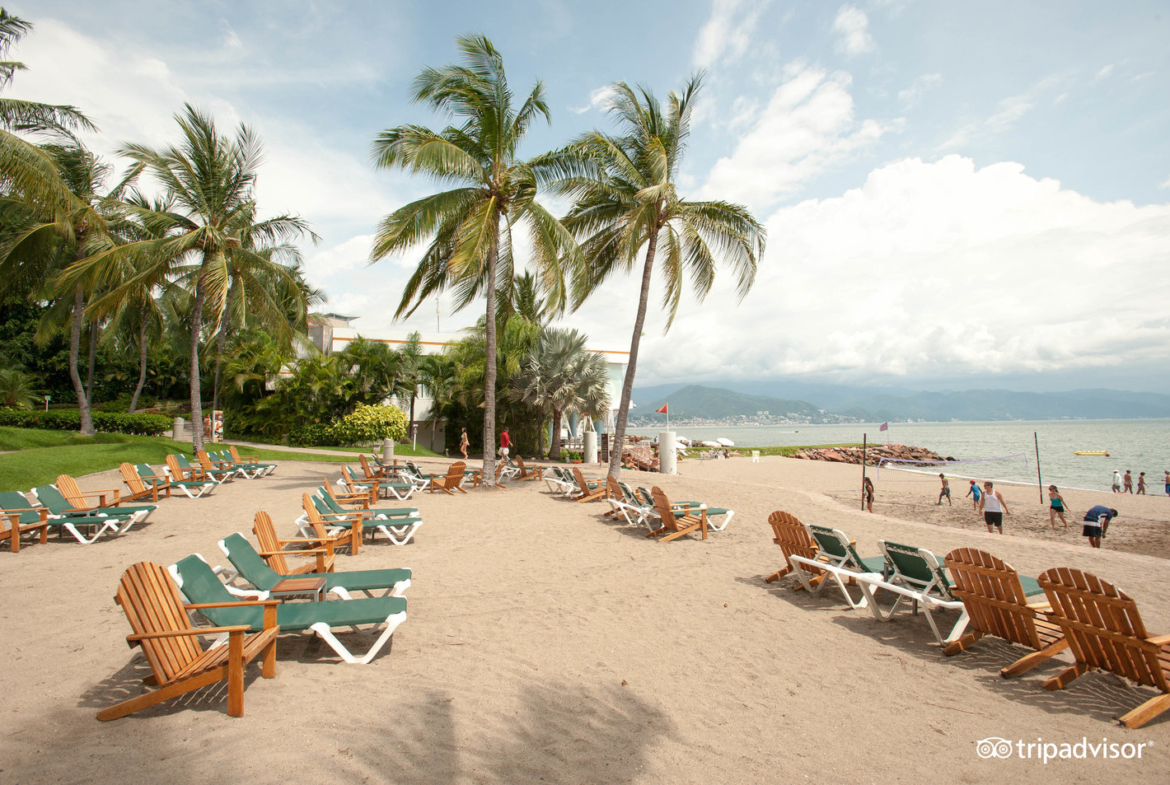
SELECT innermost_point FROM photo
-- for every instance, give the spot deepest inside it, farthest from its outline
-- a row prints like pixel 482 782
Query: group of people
pixel 991 503
pixel 1125 484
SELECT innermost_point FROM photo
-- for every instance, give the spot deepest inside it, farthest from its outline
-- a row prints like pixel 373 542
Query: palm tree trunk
pixel 489 371
pixel 220 343
pixel 540 437
pixel 619 435
pixel 93 342
pixel 74 351
pixel 554 452
pixel 196 398
pixel 141 367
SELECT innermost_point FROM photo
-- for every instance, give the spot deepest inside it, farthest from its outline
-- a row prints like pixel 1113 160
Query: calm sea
pixel 1138 445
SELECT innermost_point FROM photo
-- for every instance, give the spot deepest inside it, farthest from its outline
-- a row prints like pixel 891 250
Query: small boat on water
pixel 1091 452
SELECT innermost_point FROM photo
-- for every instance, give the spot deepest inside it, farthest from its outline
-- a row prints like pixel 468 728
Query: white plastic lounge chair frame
pixel 933 595
pixel 839 559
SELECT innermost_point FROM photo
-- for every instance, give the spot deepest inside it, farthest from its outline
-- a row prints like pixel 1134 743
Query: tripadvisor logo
pixel 995 747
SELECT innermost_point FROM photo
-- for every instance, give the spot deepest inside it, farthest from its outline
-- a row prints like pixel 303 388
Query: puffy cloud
pixel 726 35
pixel 852 28
pixel 934 270
pixel 806 128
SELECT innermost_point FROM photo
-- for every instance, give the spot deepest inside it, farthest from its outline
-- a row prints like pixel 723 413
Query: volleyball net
pixel 1004 465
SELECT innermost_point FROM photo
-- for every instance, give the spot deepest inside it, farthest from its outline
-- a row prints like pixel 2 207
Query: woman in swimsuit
pixel 463 443
pixel 868 491
pixel 1056 507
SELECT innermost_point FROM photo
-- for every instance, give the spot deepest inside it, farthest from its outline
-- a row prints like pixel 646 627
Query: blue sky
pixel 957 195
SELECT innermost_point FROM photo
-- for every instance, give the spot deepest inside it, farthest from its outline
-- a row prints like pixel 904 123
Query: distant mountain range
pixel 823 402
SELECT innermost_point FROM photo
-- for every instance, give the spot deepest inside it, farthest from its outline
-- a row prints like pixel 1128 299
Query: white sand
pixel 546 643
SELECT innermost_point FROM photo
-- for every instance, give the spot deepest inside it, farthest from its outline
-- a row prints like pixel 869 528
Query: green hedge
pixel 70 420
pixel 364 425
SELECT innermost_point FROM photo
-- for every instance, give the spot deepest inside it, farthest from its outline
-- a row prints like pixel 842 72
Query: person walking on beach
pixel 1142 484
pixel 463 443
pixel 945 490
pixel 867 491
pixel 1168 482
pixel 994 508
pixel 1128 482
pixel 1116 481
pixel 1056 507
pixel 974 492
pixel 1097 522
pixel 505 444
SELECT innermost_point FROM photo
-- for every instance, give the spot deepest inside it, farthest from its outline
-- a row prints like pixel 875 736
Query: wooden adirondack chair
pixel 212 468
pixel 360 499
pixel 613 491
pixel 180 472
pixel 535 473
pixel 585 492
pixel 354 487
pixel 793 539
pixel 11 528
pixel 137 484
pixel 273 552
pixel 671 522
pixel 372 473
pixel 1104 630
pixel 351 536
pixel 994 598
pixel 451 481
pixel 179 664
pixel 107 497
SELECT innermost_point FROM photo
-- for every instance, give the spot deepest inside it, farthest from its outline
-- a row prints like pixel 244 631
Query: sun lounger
pixel 996 598
pixel 178 663
pixel 13 503
pixel 200 585
pixel 837 556
pixel 68 488
pixel 587 490
pixel 1104 630
pixel 559 481
pixel 223 471
pixel 677 525
pixel 399 524
pixel 526 473
pixel 274 553
pixel 141 487
pixel 251 460
pixel 172 478
pixel 60 509
pixel 451 481
pixel 223 460
pixel 345 532
pixel 19 521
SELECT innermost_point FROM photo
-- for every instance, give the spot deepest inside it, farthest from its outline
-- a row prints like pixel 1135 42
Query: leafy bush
pixel 364 425
pixel 70 420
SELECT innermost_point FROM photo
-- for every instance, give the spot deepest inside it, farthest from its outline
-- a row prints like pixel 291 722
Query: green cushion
pixel 57 504
pixel 365 580
pixel 256 571
pixel 11 500
pixel 1031 586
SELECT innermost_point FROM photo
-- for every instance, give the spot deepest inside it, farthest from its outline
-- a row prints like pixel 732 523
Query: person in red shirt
pixel 505 444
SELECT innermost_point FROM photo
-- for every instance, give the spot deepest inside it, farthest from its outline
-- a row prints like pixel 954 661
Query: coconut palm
pixel 210 179
pixel 468 229
pixel 625 199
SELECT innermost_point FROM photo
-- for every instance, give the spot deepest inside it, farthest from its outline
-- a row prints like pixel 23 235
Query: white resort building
pixel 331 332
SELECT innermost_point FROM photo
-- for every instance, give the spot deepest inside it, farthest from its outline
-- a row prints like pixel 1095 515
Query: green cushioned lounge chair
pixel 840 559
pixel 200 585
pixel 70 517
pixel 193 488
pixel 397 523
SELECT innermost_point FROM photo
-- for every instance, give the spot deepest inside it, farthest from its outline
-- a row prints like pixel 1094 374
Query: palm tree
pixel 625 198
pixel 17 389
pixel 210 180
pixel 469 228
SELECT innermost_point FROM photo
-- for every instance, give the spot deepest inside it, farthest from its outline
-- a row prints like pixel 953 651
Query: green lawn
pixel 45 454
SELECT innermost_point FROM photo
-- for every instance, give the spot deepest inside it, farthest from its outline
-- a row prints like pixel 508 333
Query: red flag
pixel 662 410
pixel 885 427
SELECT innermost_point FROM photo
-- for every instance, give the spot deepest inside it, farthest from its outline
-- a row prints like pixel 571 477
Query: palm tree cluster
pixel 624 198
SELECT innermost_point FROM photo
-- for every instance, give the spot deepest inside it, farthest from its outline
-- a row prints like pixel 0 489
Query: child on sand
pixel 1056 507
pixel 974 492
pixel 994 508
pixel 945 490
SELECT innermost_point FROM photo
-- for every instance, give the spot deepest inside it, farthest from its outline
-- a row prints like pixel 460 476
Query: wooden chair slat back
pixel 152 603
pixel 131 478
pixel 455 472
pixel 615 490
pixel 662 505
pixel 791 535
pixel 1103 626
pixel 580 480
pixel 991 591
pixel 265 532
pixel 366 467
pixel 204 460
pixel 173 465
pixel 68 488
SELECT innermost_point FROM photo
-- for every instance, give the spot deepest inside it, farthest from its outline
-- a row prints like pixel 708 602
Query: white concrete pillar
pixel 590 447
pixel 667 457
pixel 387 450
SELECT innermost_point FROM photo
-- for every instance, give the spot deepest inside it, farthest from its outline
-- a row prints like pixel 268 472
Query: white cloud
pixel 1104 72
pixel 598 99
pixel 852 26
pixel 230 39
pixel 1007 113
pixel 937 270
pixel 910 96
pixel 806 128
pixel 727 34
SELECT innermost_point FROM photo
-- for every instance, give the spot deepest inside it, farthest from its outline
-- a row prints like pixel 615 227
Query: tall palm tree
pixel 210 179
pixel 468 229
pixel 626 199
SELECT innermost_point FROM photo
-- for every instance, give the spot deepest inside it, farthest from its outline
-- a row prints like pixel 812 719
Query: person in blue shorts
pixel 974 491
pixel 1097 522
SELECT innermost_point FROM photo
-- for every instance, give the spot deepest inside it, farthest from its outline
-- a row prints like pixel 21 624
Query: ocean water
pixel 1138 445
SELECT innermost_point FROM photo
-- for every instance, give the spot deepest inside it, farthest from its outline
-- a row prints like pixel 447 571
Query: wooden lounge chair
pixel 793 538
pixel 535 473
pixel 62 509
pixel 68 488
pixel 199 583
pixel 379 473
pixel 1104 630
pixel 347 533
pixel 220 471
pixel 677 525
pixel 274 552
pixel 12 526
pixel 587 490
pixel 398 523
pixel 178 663
pixel 251 460
pixel 996 598
pixel 138 484
pixel 450 482
pixel 14 503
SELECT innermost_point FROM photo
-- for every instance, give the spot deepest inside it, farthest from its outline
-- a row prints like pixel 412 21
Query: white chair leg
pixel 326 634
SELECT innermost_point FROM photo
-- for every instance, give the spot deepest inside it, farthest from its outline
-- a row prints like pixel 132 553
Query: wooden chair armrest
pixel 240 604
pixel 146 636
pixel 1159 640
pixel 298 539
pixel 306 551
pixel 82 509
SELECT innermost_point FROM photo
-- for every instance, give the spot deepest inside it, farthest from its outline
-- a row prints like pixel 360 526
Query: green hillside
pixel 712 403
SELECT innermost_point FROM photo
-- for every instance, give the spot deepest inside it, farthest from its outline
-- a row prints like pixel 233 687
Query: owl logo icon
pixel 993 747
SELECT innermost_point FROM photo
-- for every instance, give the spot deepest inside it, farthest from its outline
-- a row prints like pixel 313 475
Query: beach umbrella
pixel 710 444
pixel 725 442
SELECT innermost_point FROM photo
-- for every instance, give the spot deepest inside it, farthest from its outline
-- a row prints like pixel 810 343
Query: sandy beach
pixel 547 643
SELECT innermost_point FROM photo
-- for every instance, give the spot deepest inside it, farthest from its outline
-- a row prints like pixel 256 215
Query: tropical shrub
pixel 363 425
pixel 70 420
